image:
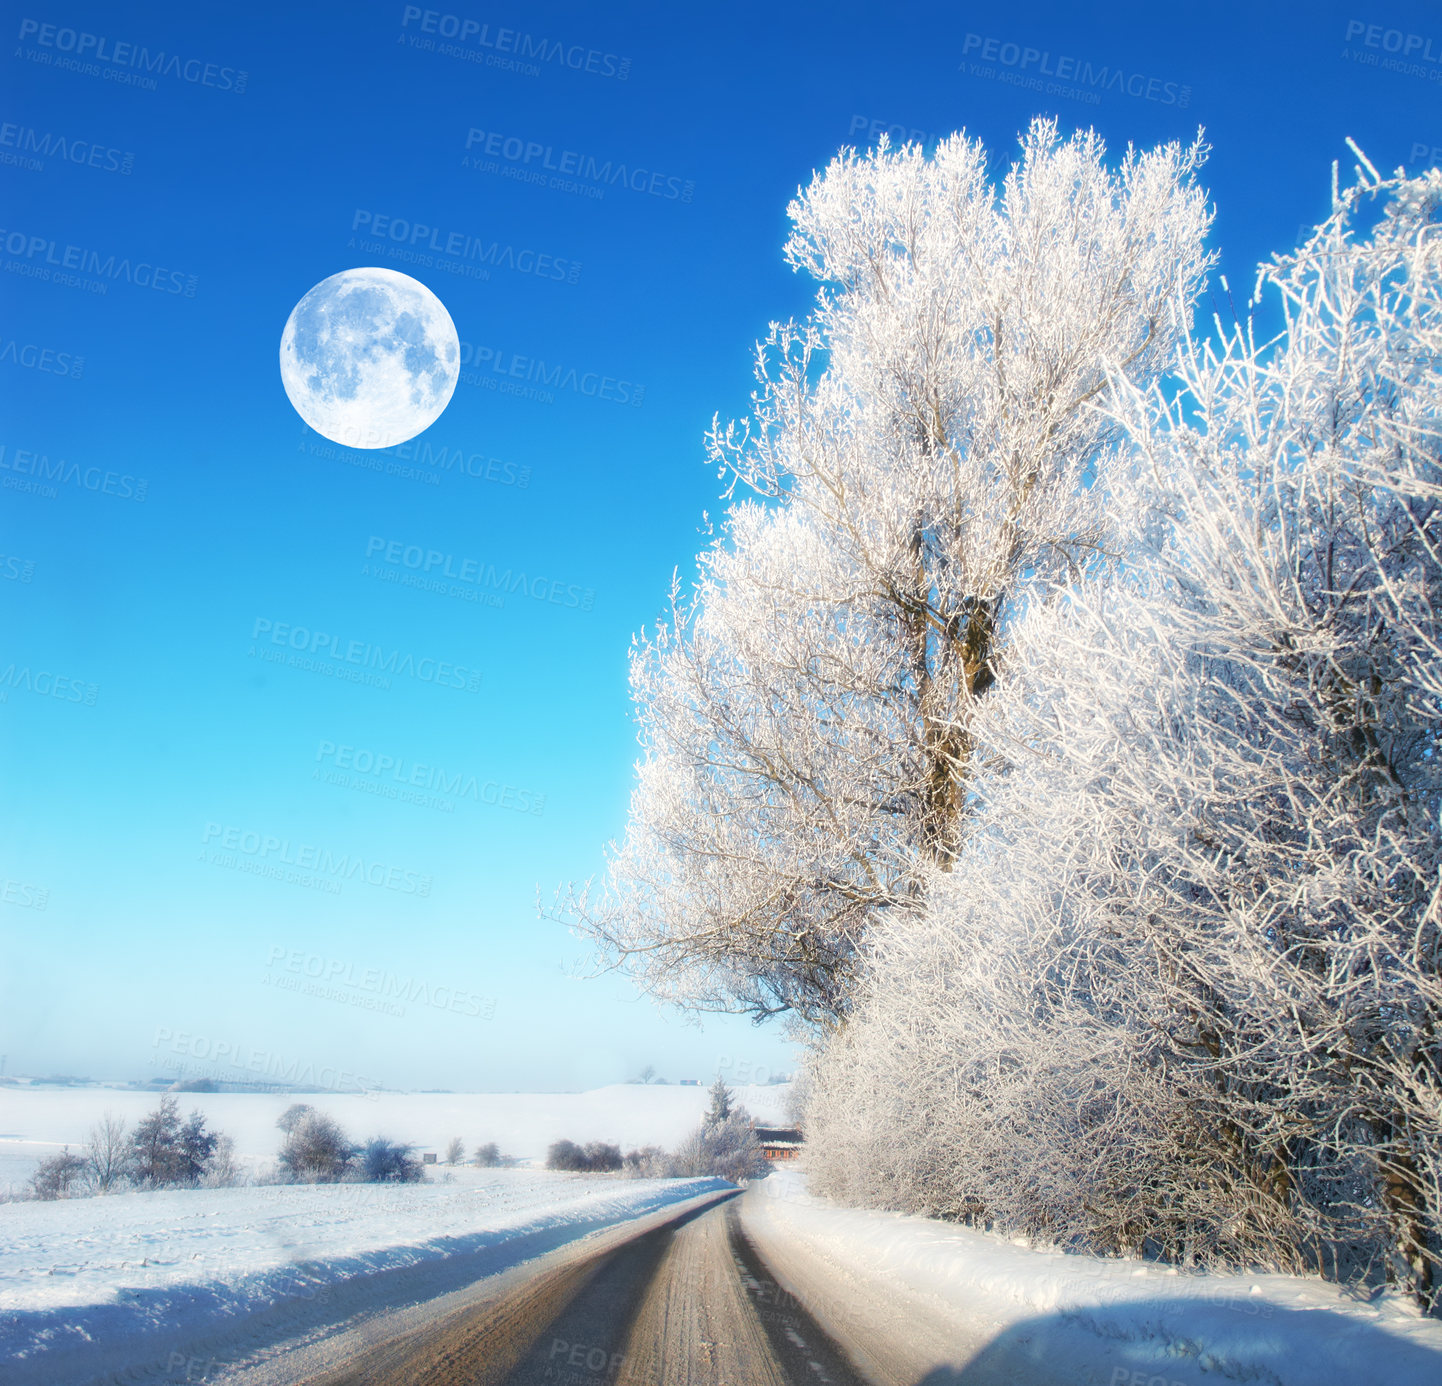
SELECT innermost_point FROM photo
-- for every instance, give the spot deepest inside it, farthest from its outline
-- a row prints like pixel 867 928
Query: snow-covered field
pixel 85 1251
pixel 1110 1321
pixel 36 1121
pixel 134 1280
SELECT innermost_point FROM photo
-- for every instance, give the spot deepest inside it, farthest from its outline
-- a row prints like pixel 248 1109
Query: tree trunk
pixel 1400 1189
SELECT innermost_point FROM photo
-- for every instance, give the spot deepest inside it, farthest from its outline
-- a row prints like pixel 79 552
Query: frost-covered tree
pixel 155 1153
pixel 288 1119
pixel 649 1162
pixel 566 1155
pixel 998 1066
pixel 720 1107
pixel 197 1148
pixel 1280 836
pixel 721 1148
pixel 316 1149
pixel 58 1175
pixel 384 1161
pixel 165 1150
pixel 222 1169
pixel 927 457
pixel 1181 990
pixel 107 1153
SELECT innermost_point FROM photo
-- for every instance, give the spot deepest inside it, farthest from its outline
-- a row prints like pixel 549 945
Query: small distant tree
pixel 56 1176
pixel 222 1171
pixel 488 1156
pixel 107 1153
pixel 565 1155
pixel 195 1149
pixel 720 1107
pixel 595 1157
pixel 287 1119
pixel 602 1158
pixel 724 1149
pixel 166 1151
pixel 649 1162
pixel 384 1161
pixel 455 1151
pixel 648 1074
pixel 316 1150
pixel 156 1155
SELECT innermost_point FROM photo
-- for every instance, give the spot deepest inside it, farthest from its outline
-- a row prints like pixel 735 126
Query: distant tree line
pixel 166 1151
pixel 724 1146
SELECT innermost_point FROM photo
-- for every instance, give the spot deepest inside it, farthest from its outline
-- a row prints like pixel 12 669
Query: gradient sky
pixel 132 942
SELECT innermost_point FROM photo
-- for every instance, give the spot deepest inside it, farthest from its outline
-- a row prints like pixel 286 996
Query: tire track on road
pixel 806 1351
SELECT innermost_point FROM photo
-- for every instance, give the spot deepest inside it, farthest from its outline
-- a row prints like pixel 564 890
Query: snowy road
pixel 687 1302
pixel 581 1280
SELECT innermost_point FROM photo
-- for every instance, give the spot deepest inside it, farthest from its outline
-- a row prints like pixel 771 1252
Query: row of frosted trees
pixel 1054 734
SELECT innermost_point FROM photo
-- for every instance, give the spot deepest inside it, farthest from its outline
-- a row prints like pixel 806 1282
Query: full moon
pixel 369 358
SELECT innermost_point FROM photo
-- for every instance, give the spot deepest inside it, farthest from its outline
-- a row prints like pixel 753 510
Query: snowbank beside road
pixel 959 1298
pixel 133 1280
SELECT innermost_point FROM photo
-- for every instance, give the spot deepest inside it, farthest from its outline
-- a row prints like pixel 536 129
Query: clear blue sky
pixel 132 819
